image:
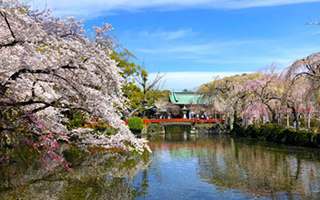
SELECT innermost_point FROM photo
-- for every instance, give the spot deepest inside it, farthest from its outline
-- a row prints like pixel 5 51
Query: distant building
pixel 193 103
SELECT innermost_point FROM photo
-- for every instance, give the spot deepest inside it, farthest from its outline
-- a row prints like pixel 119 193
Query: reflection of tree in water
pixel 259 171
pixel 100 176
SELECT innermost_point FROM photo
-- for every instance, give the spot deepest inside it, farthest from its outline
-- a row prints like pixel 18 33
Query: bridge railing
pixel 177 120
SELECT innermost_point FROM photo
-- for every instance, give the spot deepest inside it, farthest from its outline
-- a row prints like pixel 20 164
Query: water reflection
pixel 178 137
pixel 264 170
pixel 256 170
pixel 103 175
pixel 182 166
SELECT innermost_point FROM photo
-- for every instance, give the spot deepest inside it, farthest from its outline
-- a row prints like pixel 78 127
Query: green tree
pixel 151 89
pixel 138 86
pixel 124 58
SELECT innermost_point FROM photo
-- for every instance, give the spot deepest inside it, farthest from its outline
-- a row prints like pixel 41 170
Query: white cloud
pixel 167 35
pixel 211 47
pixel 180 49
pixel 94 8
pixel 258 53
pixel 178 81
pixel 259 60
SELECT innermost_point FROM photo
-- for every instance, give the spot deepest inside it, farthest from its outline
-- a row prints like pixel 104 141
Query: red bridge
pixel 179 120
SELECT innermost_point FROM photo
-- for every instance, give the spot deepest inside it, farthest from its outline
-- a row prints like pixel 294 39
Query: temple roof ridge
pixel 183 98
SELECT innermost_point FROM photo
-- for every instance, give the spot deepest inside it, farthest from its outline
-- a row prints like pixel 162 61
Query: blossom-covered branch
pixel 49 66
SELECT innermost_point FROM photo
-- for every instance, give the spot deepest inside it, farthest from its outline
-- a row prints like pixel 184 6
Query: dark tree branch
pixel 306 74
pixel 11 44
pixel 8 24
pixel 45 71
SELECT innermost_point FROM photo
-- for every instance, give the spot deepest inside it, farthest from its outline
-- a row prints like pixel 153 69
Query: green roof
pixel 182 98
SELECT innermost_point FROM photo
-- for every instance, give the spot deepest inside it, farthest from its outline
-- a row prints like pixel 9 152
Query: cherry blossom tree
pixel 232 92
pixel 249 96
pixel 303 84
pixel 267 91
pixel 48 66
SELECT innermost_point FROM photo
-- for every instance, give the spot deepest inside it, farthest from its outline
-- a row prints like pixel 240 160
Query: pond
pixel 182 166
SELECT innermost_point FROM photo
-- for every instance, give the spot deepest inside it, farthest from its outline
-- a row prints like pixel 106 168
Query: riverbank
pixel 278 133
pixel 200 128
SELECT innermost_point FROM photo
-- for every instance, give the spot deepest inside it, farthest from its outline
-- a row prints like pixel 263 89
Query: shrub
pixel 135 124
pixel 238 130
pixel 76 120
pixel 276 133
pixel 268 130
pixel 265 131
pixel 303 138
pixel 283 135
pixel 252 131
pixel 110 132
pixel 100 126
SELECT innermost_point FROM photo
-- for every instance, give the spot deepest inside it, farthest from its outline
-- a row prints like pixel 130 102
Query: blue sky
pixel 193 41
